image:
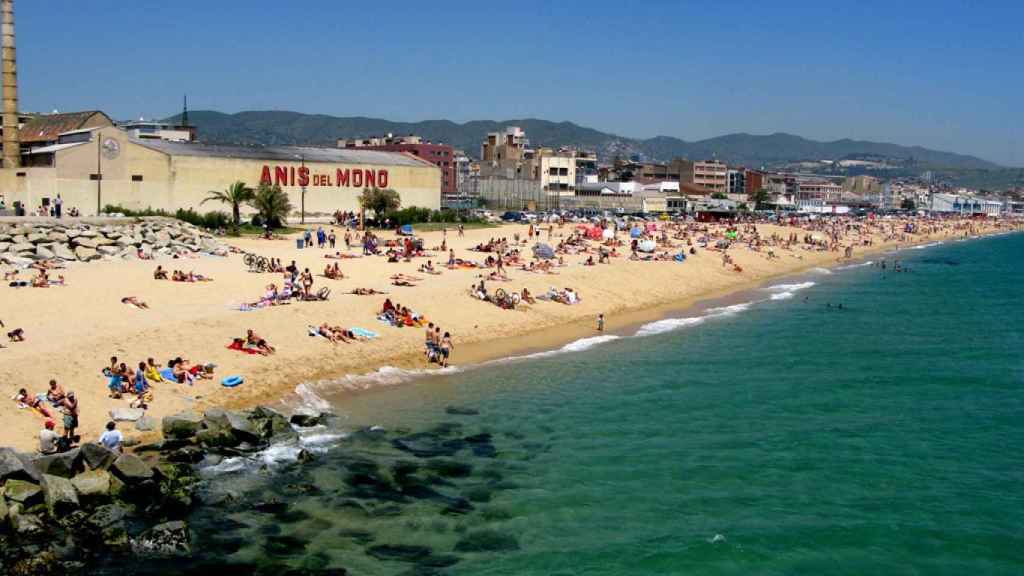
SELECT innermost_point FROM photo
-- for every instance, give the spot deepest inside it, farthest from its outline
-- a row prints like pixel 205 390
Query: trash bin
pixel 299 243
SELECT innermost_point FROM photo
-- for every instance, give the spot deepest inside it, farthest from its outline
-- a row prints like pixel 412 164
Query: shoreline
pixel 624 324
pixel 72 330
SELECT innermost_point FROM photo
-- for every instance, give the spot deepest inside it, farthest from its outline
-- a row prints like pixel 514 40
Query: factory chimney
pixel 11 143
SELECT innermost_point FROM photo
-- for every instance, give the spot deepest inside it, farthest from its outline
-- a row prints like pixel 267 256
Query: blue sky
pixel 946 75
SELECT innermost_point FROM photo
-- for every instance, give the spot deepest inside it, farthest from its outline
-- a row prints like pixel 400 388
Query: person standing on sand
pixel 600 322
pixel 112 437
pixel 70 409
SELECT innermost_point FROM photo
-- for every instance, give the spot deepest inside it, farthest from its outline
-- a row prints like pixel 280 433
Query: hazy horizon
pixel 916 74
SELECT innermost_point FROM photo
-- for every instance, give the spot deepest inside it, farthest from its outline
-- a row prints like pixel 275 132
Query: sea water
pixel 866 421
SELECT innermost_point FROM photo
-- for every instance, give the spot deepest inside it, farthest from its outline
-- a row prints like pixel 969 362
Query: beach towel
pixel 241 348
pixel 363 333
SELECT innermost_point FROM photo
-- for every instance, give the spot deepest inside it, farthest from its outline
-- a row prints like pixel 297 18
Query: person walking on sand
pixel 446 349
pixel 600 322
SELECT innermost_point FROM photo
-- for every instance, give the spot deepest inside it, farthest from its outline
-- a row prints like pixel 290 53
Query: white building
pixel 961 204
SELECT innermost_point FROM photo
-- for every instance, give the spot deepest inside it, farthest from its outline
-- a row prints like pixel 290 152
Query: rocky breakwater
pixel 60 513
pixel 24 243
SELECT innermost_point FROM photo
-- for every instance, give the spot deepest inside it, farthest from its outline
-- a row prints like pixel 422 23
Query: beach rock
pixel 487 541
pixel 126 414
pixel 306 419
pixel 86 254
pixel 450 468
pixel 427 445
pixel 64 464
pixel 269 422
pixel 23 492
pixel 97 456
pixel 4 246
pixel 35 238
pixel 131 470
pixel 398 552
pixel 217 438
pixel 461 411
pixel 106 516
pixel 237 423
pixel 23 247
pixel 181 425
pixel 164 540
pixel 13 467
pixel 26 524
pixel 57 237
pixel 59 495
pixel 62 251
pixel 108 250
pixel 92 486
pixel 145 424
pixel 44 253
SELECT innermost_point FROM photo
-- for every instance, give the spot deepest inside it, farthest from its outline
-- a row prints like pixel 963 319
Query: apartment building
pixel 440 155
pixel 710 174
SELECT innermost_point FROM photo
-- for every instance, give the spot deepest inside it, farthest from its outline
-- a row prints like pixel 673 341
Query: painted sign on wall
pixel 342 177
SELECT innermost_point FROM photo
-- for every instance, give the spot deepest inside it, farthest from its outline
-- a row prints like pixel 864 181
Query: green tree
pixel 908 204
pixel 272 204
pixel 718 195
pixel 379 201
pixel 759 197
pixel 235 195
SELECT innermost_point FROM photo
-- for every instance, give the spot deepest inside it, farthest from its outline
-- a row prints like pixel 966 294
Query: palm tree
pixel 272 204
pixel 235 195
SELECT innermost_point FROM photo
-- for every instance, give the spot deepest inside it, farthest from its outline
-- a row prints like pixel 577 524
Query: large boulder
pixel 86 254
pixel 36 237
pixel 131 469
pixel 92 486
pixel 59 495
pixel 237 423
pixel 181 425
pixel 23 492
pixel 13 467
pixel 126 414
pixel 108 250
pixel 61 250
pixel 307 419
pixel 21 247
pixel 97 456
pixel 163 540
pixel 58 237
pixel 269 422
pixel 64 464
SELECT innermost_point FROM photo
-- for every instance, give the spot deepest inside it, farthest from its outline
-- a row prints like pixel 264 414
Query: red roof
pixel 46 127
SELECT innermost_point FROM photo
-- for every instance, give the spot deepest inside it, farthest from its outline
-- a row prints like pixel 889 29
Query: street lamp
pixel 302 217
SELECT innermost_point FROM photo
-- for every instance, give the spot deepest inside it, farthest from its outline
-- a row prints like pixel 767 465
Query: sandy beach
pixel 72 331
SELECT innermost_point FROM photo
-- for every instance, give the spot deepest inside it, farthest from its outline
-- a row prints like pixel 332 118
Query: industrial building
pixel 438 154
pixel 96 167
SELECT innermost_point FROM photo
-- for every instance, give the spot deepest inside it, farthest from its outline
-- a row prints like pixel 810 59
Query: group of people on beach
pixel 438 345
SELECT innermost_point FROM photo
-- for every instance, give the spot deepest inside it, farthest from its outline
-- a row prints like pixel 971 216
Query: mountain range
pixel 263 128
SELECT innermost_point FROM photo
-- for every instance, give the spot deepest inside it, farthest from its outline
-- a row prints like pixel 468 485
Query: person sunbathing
pixel 41 280
pixel 429 268
pixel 160 273
pixel 24 400
pixel 133 301
pixel 328 332
pixel 366 292
pixel 16 335
pixel 193 277
pixel 260 345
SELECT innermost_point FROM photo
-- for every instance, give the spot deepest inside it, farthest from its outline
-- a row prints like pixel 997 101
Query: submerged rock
pixel 486 541
pixel 427 445
pixel 461 411
pixel 399 552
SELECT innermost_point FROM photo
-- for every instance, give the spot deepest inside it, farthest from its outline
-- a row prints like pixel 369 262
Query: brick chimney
pixel 11 143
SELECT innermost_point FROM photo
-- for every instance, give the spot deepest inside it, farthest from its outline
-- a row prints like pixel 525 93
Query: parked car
pixel 513 216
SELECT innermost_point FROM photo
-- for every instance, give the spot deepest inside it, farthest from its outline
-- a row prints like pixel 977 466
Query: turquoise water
pixel 780 436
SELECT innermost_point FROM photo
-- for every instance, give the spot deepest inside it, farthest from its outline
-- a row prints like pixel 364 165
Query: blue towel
pixel 363 333
pixel 168 374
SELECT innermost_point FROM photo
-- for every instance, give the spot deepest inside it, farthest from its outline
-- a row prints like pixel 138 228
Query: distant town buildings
pixel 440 155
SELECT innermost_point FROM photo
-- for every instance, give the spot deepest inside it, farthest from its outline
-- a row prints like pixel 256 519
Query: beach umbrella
pixel 406 230
pixel 636 232
pixel 543 251
pixel 646 246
